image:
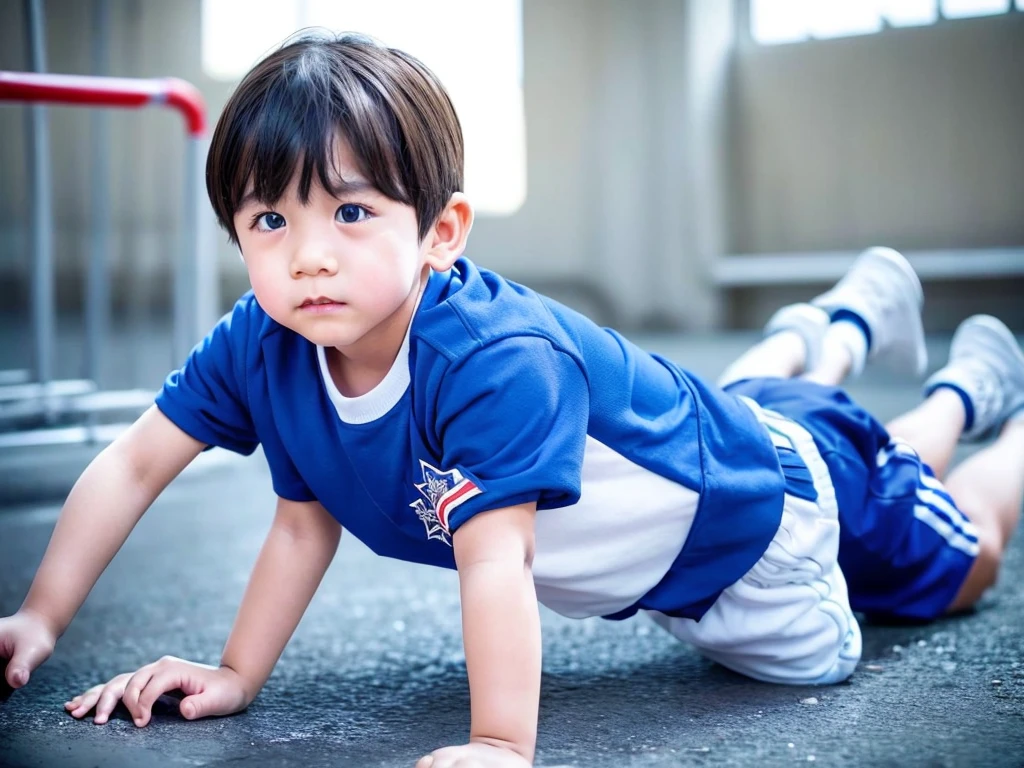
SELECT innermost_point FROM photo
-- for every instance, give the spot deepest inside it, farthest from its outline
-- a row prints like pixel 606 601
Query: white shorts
pixel 788 620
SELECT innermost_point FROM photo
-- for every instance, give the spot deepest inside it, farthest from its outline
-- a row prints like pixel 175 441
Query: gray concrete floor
pixel 375 674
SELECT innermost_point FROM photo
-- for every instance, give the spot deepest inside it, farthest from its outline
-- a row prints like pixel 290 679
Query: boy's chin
pixel 326 337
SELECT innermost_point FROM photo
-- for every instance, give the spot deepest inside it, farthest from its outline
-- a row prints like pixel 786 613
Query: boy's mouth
pixel 321 304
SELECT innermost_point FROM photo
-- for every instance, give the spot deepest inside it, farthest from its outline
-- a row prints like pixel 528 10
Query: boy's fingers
pixel 204 704
pixel 16 676
pixel 191 707
pixel 155 687
pixel 24 660
pixel 82 707
pixel 108 700
pixel 85 704
pixel 133 691
pixel 17 673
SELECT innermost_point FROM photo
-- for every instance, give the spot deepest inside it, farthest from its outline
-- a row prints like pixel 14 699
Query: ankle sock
pixel 851 333
pixel 852 317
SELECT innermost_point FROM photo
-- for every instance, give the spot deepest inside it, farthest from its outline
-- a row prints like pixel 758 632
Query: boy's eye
pixel 350 213
pixel 268 222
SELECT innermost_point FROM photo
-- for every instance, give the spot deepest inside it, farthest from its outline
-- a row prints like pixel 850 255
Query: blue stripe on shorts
pixel 905 548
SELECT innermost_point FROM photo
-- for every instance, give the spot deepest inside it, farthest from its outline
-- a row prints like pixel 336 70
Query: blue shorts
pixel 904 547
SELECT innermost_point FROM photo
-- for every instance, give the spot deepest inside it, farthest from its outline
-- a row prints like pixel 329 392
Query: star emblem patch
pixel 442 491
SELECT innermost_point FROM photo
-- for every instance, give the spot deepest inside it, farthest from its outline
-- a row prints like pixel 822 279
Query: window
pixel 474 47
pixel 962 9
pixel 773 22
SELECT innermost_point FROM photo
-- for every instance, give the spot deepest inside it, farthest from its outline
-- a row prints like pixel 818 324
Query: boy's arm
pixel 300 546
pixel 297 551
pixel 295 555
pixel 104 506
pixel 501 627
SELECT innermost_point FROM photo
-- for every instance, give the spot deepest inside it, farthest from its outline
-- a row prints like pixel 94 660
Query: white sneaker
pixel 884 291
pixel 808 321
pixel 986 366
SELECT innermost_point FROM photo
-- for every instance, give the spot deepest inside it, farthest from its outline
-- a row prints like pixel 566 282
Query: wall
pixel 601 227
pixel 910 138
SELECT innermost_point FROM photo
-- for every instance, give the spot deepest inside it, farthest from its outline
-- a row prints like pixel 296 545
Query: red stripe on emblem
pixel 453 498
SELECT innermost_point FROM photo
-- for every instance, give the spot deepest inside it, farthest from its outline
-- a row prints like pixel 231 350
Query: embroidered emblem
pixel 443 491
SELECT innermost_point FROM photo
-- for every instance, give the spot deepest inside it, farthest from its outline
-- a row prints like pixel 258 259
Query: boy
pixel 449 417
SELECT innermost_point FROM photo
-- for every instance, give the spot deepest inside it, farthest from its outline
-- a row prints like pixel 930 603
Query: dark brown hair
pixel 288 110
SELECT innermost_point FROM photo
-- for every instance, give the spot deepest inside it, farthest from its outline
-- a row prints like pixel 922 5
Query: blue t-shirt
pixel 653 489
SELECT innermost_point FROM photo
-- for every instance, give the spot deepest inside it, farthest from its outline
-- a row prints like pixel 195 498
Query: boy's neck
pixel 360 368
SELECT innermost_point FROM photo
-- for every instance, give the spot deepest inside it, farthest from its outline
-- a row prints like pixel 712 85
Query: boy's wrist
pixel 54 627
pixel 249 687
pixel 524 750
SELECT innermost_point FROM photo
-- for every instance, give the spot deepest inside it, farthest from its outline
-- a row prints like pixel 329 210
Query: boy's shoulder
pixel 469 308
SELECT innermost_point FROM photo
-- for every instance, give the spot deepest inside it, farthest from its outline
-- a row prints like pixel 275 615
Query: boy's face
pixel 339 270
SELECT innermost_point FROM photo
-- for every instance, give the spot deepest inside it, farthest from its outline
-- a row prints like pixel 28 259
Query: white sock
pixel 850 336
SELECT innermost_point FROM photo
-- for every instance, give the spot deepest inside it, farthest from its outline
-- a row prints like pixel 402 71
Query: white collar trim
pixel 379 400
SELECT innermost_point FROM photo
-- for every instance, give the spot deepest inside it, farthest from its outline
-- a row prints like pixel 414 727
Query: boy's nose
pixel 313 260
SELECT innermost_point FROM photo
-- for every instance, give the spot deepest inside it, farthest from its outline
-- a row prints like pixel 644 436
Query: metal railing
pixel 41 397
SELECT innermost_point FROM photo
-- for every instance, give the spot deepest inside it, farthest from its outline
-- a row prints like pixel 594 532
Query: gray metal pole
pixel 206 309
pixel 43 309
pixel 97 289
pixel 186 278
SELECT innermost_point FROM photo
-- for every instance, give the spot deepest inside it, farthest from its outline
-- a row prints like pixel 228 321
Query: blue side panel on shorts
pixel 904 547
pixel 912 563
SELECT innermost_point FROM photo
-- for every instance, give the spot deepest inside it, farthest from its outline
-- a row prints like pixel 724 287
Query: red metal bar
pixel 107 92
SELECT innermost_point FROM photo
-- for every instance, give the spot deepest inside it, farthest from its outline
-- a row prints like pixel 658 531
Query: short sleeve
pixel 206 397
pixel 512 420
pixel 285 477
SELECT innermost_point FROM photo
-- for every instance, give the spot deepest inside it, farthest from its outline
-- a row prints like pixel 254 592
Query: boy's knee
pixel 989 559
pixel 772 660
pixel 984 571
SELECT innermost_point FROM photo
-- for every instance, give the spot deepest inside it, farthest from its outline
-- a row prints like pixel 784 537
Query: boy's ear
pixel 448 235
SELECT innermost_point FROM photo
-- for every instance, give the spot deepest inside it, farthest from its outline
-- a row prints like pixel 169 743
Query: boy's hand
pixel 209 692
pixel 475 755
pixel 27 641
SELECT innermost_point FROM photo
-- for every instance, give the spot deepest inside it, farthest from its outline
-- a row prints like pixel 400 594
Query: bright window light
pixel 773 22
pixel 780 21
pixel 237 33
pixel 962 9
pixel 910 13
pixel 843 18
pixel 474 47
